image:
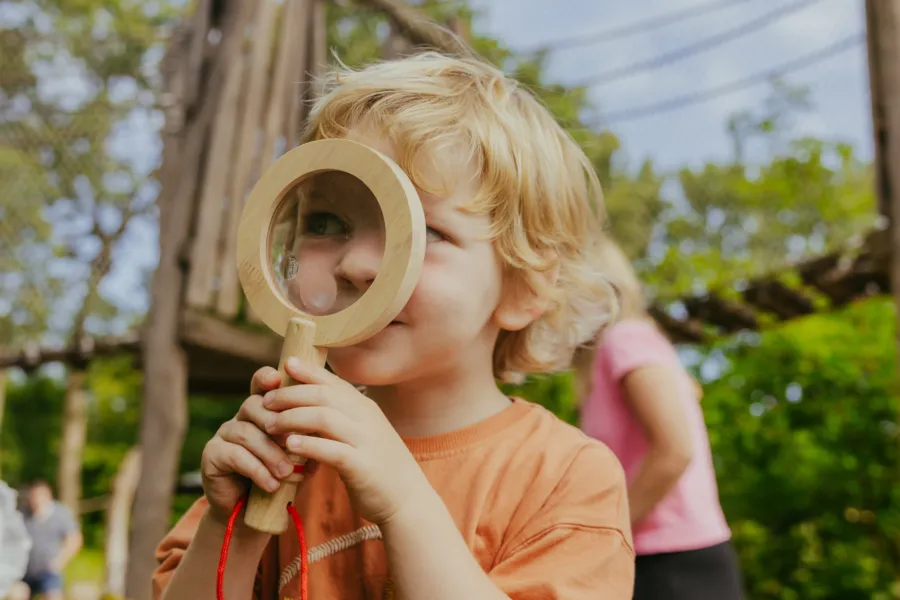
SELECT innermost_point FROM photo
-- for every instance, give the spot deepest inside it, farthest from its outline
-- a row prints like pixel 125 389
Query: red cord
pixel 226 543
pixel 304 567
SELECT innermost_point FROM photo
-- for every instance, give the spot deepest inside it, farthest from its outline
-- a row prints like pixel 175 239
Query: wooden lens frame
pixel 404 248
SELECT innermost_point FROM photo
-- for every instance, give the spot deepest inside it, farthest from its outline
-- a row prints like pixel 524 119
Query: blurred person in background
pixel 56 539
pixel 637 398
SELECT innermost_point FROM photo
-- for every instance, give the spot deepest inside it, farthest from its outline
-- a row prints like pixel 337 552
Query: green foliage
pixel 72 74
pixel 556 393
pixel 31 426
pixel 803 424
pixel 740 220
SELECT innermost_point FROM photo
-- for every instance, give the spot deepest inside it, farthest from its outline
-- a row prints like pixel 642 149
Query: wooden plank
pixel 297 94
pixel 278 109
pixel 210 214
pixel 319 38
pixel 228 299
pixel 33 356
pixel 215 334
pixel 196 53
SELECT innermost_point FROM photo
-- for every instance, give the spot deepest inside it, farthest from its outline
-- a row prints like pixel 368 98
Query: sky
pixel 695 134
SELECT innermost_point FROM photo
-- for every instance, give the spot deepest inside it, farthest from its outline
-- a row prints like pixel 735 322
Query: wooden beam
pixel 32 356
pixel 724 314
pixel 772 296
pixel 211 333
pixel 688 331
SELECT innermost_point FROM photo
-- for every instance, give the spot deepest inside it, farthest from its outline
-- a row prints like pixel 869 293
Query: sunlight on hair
pixel 536 184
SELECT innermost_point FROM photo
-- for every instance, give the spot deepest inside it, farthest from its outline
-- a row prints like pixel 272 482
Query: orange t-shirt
pixel 541 506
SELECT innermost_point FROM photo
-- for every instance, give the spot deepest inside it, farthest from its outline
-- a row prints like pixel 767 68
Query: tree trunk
pixel 117 518
pixel 73 438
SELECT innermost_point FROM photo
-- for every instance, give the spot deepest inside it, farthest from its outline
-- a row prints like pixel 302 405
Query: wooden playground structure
pixel 237 89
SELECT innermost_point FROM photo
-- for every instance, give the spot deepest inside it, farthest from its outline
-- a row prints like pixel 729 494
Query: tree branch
pixel 420 30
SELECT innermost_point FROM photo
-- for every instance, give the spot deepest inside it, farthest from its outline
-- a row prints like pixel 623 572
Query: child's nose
pixel 361 260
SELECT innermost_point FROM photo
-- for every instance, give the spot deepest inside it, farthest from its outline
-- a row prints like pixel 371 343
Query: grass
pixel 88 566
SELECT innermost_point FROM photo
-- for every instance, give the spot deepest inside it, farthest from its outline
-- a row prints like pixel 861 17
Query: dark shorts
pixel 707 574
pixel 43 583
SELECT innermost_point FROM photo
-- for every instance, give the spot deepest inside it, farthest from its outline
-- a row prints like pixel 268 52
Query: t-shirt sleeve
pixel 632 344
pixel 67 522
pixel 173 546
pixel 578 546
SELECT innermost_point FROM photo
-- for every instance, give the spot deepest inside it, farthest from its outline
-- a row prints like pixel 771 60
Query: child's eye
pixel 433 235
pixel 324 224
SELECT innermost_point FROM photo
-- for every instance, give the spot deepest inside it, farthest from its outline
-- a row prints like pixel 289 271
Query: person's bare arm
pixel 651 393
pixel 582 370
pixel 428 557
pixel 195 577
pixel 240 451
pixel 72 543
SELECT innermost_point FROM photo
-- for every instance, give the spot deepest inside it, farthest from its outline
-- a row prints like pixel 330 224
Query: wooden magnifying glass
pixel 332 231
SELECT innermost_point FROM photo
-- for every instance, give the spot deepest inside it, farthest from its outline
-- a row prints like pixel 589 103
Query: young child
pixel 434 484
pixel 641 401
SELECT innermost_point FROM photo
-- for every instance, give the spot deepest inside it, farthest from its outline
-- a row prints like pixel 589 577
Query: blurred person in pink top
pixel 640 401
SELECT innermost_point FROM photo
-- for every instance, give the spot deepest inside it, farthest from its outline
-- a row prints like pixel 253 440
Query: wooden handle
pixel 268 511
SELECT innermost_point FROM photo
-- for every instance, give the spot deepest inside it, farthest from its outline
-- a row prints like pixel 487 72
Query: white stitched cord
pixel 338 544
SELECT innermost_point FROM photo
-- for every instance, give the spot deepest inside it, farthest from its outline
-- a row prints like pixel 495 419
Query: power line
pixel 703 45
pixel 736 85
pixel 642 26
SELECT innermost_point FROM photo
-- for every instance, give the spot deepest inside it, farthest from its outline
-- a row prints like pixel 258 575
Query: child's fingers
pixel 264 379
pixel 324 421
pixel 336 455
pixel 224 458
pixel 298 395
pixel 305 372
pixel 249 436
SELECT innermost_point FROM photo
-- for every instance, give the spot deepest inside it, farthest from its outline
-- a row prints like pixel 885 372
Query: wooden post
pixel 117 518
pixel 73 438
pixel 883 36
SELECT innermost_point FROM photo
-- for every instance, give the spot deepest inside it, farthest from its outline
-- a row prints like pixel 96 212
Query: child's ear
pixel 519 306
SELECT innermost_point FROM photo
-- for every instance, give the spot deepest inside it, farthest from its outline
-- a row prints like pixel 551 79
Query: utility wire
pixel 702 45
pixel 676 102
pixel 641 26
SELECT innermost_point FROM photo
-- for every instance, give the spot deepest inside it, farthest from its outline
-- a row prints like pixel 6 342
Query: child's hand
pixel 240 450
pixel 352 436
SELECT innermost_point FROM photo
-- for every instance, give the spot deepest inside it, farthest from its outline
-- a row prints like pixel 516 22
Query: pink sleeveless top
pixel 690 516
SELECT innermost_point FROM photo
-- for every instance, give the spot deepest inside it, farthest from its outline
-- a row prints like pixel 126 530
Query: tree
pixel 73 190
pixel 802 422
pixel 739 220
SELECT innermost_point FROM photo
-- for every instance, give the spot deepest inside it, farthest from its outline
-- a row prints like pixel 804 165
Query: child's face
pixel 448 325
pixel 337 244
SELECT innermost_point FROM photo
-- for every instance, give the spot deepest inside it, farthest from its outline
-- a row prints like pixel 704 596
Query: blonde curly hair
pixel 536 184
